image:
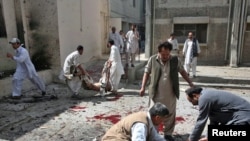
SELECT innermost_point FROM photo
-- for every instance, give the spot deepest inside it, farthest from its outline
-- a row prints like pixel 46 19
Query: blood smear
pixel 112 118
pixel 115 98
pixel 177 119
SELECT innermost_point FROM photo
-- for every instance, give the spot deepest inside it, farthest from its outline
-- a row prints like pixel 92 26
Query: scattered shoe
pixel 169 138
pixel 132 65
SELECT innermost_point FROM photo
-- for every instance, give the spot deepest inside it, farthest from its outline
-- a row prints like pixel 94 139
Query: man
pixel 24 69
pixel 116 38
pixel 73 71
pixel 132 37
pixel 191 51
pixel 139 126
pixel 164 82
pixel 221 107
pixel 116 68
pixel 174 42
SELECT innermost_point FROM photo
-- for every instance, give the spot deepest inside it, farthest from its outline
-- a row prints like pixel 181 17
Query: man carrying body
pixel 139 126
pixel 24 69
pixel 220 107
pixel 73 71
pixel 116 68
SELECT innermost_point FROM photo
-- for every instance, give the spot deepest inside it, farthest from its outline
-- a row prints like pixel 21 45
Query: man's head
pixel 113 29
pixel 80 49
pixel 190 35
pixel 133 27
pixel 193 94
pixel 164 50
pixel 172 35
pixel 15 42
pixel 111 42
pixel 158 113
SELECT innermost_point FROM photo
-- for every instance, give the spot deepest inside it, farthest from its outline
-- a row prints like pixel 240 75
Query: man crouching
pixel 140 126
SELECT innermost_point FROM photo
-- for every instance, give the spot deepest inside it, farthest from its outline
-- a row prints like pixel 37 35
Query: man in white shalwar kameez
pixel 73 71
pixel 191 51
pixel 132 37
pixel 117 38
pixel 116 70
pixel 24 69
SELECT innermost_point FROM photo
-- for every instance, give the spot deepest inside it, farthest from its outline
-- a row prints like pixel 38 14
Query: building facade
pixel 222 28
pixel 51 29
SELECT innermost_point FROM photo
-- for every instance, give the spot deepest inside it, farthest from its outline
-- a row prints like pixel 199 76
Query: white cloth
pixel 132 41
pixel 174 43
pixel 139 132
pixel 116 69
pixel 24 69
pixel 71 60
pixel 117 40
pixel 74 83
pixel 187 50
pixel 189 59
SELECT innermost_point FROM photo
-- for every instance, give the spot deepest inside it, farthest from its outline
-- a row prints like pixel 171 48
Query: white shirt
pixel 132 41
pixel 24 64
pixel 174 43
pixel 117 39
pixel 72 59
pixel 139 132
pixel 187 50
pixel 116 60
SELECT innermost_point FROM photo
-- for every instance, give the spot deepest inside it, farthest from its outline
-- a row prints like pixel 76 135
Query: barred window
pixel 199 31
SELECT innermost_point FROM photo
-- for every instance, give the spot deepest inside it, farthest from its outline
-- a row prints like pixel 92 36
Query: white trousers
pixel 130 57
pixel 74 84
pixel 193 65
pixel 18 80
pixel 114 81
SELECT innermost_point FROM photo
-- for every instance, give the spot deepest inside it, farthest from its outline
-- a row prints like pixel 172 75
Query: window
pixel 2 24
pixel 199 31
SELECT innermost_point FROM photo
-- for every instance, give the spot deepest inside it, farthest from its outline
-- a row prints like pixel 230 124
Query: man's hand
pixel 142 91
pixel 9 55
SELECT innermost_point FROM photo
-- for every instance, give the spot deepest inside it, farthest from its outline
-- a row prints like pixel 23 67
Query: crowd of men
pixel 162 69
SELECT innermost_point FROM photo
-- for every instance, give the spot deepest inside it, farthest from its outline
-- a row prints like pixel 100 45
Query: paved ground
pixel 64 119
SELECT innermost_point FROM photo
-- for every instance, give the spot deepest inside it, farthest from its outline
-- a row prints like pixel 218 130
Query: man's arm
pixel 186 77
pixel 139 132
pixel 204 109
pixel 144 82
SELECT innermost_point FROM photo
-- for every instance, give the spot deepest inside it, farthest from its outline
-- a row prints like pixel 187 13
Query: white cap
pixel 14 40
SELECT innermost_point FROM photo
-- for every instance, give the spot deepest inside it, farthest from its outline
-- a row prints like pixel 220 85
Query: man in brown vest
pixel 139 126
pixel 162 68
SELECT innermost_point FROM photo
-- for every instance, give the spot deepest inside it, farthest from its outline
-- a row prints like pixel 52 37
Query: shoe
pixel 169 138
pixel 16 97
pixel 75 96
pixel 132 65
pixel 43 93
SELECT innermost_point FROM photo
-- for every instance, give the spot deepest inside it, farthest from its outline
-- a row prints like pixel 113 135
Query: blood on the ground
pixel 115 98
pixel 112 118
pixel 177 119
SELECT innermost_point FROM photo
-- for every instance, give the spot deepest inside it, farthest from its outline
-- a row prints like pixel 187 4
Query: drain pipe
pixel 229 32
pixel 25 24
